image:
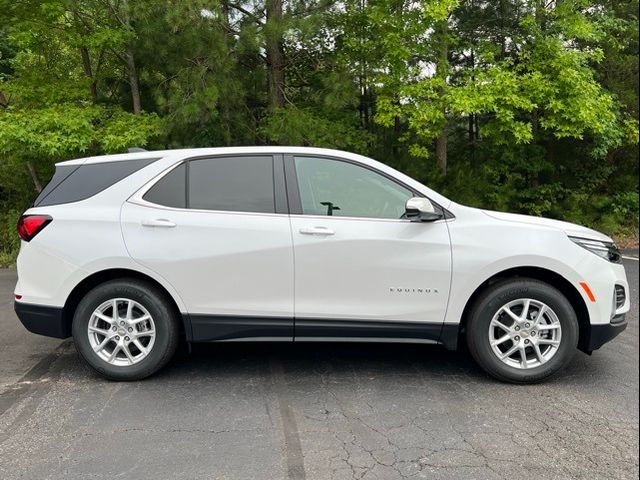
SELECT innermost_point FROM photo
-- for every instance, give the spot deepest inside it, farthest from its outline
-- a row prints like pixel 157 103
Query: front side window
pixel 240 184
pixel 341 189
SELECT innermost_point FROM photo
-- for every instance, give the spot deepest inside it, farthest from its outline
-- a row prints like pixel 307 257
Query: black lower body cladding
pixel 43 320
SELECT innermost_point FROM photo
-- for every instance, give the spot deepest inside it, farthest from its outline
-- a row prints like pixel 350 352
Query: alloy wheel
pixel 525 333
pixel 121 331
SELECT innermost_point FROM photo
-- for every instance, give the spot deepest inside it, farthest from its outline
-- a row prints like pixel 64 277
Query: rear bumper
pixel 601 334
pixel 43 320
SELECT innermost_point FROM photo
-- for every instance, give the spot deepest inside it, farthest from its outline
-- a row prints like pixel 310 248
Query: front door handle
pixel 316 231
pixel 158 222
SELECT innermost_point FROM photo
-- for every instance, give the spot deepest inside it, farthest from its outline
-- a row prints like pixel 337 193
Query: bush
pixel 9 240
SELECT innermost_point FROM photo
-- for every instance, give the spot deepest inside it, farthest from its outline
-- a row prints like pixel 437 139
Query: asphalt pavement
pixel 314 411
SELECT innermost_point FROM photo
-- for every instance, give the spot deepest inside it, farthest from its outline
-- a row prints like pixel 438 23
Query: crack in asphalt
pixel 293 448
pixel 556 427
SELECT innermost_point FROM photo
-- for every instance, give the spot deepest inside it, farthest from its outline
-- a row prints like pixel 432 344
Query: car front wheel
pixel 522 330
pixel 125 329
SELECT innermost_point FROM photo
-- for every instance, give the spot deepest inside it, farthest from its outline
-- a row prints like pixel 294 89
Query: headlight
pixel 606 250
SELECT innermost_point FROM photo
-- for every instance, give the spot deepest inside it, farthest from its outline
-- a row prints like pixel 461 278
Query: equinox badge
pixel 413 290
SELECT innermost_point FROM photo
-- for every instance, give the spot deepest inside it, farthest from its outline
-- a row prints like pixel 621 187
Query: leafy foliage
pixel 517 105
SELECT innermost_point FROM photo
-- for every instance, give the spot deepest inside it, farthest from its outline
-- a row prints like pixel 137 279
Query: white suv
pixel 130 253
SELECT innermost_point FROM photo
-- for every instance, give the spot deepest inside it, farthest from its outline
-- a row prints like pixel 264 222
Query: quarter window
pixel 342 189
pixel 170 190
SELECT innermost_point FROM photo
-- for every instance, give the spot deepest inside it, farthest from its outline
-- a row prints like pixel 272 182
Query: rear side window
pixel 75 183
pixel 236 184
pixel 170 190
pixel 241 184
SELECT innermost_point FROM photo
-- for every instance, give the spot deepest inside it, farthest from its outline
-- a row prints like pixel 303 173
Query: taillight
pixel 30 225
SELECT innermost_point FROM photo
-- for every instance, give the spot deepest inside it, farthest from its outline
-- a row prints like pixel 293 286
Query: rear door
pixel 217 229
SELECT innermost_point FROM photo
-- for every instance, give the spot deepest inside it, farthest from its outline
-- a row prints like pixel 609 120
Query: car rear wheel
pixel 125 329
pixel 522 330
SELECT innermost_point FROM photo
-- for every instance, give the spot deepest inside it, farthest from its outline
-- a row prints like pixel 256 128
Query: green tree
pixel 524 105
pixel 55 106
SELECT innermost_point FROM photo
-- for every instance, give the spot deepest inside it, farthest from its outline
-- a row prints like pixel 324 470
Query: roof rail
pixel 135 149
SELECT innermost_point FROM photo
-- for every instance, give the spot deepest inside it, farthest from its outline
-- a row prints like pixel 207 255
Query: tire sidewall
pixel 496 298
pixel 157 307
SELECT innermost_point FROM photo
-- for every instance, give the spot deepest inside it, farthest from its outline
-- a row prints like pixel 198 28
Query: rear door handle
pixel 316 231
pixel 158 222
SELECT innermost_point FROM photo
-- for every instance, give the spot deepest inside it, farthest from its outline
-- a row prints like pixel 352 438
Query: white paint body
pixel 253 264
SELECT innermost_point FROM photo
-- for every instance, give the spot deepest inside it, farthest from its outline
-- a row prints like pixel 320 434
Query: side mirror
pixel 419 209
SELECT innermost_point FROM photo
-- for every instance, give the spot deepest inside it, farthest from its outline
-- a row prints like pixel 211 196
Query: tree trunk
pixel 397 129
pixel 442 70
pixel 503 39
pixel 34 176
pixel 365 97
pixel 532 176
pixel 275 54
pixel 364 113
pixel 133 82
pixel 441 151
pixel 130 60
pixel 226 12
pixel 86 58
pixel 225 105
pixel 88 71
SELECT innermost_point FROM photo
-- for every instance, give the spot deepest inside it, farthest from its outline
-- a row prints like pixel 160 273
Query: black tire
pixel 498 295
pixel 164 318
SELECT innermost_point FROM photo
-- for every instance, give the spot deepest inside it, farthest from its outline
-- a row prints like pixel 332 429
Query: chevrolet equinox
pixel 131 253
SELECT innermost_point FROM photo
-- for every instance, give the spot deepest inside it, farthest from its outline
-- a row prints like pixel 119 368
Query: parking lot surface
pixel 313 411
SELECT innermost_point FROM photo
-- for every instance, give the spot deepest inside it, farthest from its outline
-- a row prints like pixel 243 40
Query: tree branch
pixel 247 13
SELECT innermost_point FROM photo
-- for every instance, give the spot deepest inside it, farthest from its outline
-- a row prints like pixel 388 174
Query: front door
pixel 361 269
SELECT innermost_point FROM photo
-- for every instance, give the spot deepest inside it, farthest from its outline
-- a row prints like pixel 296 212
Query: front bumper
pixel 43 320
pixel 601 334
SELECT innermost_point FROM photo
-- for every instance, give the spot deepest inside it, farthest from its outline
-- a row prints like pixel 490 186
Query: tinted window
pixel 170 190
pixel 75 183
pixel 342 189
pixel 242 184
pixel 59 176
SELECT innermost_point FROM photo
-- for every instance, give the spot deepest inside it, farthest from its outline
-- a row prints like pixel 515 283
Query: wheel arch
pixel 102 276
pixel 548 276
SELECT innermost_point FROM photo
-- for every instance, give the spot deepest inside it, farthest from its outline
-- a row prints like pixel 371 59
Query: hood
pixel 569 228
